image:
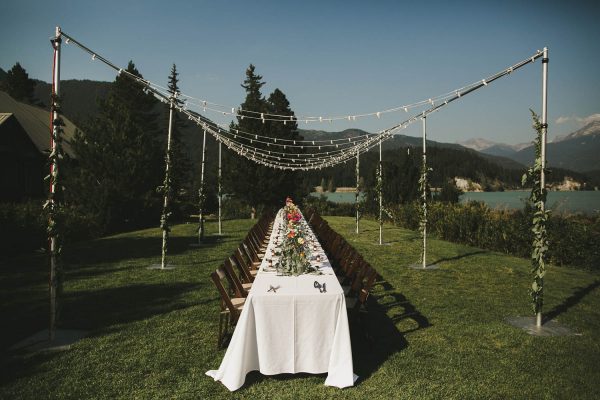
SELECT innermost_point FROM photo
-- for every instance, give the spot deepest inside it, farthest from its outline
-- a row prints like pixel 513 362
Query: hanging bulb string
pixel 233 111
pixel 310 160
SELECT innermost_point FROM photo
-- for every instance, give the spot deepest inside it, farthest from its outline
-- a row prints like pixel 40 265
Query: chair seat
pixel 253 272
pixel 238 302
pixel 247 286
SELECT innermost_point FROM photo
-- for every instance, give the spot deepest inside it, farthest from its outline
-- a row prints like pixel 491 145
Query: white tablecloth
pixel 295 329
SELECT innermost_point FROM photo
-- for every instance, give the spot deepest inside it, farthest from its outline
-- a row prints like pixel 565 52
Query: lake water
pixel 567 202
pixel 337 197
pixel 571 202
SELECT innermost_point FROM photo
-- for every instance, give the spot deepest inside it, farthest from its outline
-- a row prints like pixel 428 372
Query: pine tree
pixel 18 84
pixel 119 158
pixel 180 162
pixel 257 185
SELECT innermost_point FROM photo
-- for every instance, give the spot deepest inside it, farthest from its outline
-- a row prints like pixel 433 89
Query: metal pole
pixel 544 135
pixel 357 187
pixel 220 188
pixel 380 179
pixel 201 193
pixel 53 172
pixel 167 188
pixel 424 255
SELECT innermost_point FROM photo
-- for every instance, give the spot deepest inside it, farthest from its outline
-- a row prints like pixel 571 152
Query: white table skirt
pixel 296 329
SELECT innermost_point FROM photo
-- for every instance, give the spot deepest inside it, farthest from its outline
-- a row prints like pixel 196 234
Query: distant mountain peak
pixel 591 129
pixel 477 144
pixel 491 147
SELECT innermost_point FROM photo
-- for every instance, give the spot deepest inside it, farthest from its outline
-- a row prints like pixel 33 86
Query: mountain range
pixel 577 151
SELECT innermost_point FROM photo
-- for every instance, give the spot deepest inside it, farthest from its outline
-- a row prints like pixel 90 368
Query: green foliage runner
pixel 54 210
pixel 423 189
pixel 537 198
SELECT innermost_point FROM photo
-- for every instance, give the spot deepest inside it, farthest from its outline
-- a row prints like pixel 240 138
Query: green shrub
pixel 325 207
pixel 574 239
pixel 234 208
pixel 24 227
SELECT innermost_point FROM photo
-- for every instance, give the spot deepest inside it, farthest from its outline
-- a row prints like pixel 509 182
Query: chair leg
pixel 220 336
pixel 223 328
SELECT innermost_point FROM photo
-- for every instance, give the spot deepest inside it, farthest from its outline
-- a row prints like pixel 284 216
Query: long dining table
pixel 291 324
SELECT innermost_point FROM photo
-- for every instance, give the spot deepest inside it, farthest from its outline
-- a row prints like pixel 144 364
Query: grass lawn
pixel 429 334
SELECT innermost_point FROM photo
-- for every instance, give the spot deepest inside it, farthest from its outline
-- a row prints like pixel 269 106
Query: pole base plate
pixel 548 328
pixel 419 267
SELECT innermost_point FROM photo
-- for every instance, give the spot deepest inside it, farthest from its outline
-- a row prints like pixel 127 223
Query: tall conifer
pixel 119 158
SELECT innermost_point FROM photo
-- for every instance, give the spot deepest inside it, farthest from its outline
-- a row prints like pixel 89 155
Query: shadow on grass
pixel 460 256
pixel 100 309
pixel 571 301
pixel 376 337
pixel 114 249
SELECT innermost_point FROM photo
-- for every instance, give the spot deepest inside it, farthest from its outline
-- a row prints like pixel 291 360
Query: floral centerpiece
pixel 295 250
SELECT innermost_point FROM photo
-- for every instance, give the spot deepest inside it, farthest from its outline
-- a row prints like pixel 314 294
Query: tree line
pixel 116 175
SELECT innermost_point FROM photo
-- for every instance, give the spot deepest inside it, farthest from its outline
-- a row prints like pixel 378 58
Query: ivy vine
pixel 423 189
pixel 537 199
pixel 53 207
pixel 166 190
pixel 357 202
pixel 379 189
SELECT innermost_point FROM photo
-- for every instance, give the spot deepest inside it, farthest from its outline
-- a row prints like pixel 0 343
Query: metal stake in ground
pixel 543 150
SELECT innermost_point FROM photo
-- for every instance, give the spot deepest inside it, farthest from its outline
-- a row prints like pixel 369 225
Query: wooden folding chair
pixel 357 298
pixel 241 289
pixel 242 256
pixel 243 268
pixel 231 307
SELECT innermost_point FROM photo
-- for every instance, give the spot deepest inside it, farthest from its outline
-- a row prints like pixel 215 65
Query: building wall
pixel 21 164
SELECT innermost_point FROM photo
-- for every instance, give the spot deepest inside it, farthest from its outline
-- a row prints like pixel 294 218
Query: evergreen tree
pixel 180 163
pixel 258 185
pixel 18 84
pixel 119 158
pixel 449 192
pixel 330 187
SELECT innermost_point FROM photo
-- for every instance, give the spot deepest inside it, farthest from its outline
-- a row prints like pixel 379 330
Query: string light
pixel 312 156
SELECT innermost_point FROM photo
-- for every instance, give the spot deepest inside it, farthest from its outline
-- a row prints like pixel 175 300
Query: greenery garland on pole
pixel 166 190
pixel 423 209
pixel 379 188
pixel 423 189
pixel 53 207
pixel 535 177
pixel 357 193
pixel 220 189
pixel 201 195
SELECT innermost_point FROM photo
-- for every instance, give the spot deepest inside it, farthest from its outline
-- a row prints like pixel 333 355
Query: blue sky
pixel 337 57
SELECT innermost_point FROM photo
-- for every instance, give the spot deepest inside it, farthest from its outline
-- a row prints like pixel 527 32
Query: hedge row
pixel 574 239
